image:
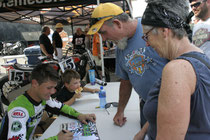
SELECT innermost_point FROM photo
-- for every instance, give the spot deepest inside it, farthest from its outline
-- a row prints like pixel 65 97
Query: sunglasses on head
pixel 197 4
pixel 114 104
pixel 95 20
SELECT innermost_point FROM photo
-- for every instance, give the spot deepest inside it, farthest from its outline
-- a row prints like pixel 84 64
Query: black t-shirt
pixel 79 41
pixel 57 38
pixel 64 95
pixel 43 39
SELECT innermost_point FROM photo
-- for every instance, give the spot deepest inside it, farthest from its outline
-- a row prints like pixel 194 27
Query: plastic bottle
pixel 102 97
pixel 92 76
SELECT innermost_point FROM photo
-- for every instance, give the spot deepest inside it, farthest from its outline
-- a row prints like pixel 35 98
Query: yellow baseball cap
pixel 59 25
pixel 102 13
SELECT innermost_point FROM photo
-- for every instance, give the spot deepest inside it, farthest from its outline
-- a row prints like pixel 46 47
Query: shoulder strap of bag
pixel 199 58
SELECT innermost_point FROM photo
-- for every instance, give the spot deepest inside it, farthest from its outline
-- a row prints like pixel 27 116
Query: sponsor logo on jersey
pixel 39 115
pixel 18 114
pixel 16 126
pixel 35 119
pixel 18 137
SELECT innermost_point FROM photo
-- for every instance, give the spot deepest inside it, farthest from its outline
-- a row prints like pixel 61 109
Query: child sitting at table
pixel 72 87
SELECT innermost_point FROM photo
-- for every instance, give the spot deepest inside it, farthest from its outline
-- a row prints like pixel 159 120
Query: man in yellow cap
pixel 57 41
pixel 138 66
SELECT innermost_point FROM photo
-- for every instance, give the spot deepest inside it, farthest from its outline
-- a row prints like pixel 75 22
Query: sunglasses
pixel 197 4
pixel 114 104
pixel 95 20
pixel 145 36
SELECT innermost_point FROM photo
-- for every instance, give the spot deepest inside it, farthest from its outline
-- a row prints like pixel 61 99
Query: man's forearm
pixel 124 94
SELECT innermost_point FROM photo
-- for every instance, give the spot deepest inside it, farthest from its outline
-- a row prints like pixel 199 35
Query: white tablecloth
pixel 104 121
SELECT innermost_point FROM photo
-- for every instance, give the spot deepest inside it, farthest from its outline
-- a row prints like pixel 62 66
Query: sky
pixel 138 7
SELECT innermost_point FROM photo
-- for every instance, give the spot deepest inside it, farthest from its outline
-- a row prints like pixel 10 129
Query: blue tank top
pixel 199 126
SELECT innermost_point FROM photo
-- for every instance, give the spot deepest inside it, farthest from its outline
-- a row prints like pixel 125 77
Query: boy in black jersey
pixel 72 83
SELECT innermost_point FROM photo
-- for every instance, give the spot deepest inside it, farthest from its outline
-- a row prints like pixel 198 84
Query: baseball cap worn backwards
pixel 102 13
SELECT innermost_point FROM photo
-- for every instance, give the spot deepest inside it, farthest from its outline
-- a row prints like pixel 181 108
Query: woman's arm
pixel 178 84
pixel 142 133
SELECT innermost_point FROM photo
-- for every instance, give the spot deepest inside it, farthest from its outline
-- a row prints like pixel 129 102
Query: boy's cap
pixel 102 13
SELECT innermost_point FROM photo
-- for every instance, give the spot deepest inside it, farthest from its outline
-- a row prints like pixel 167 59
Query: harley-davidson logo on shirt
pixel 137 61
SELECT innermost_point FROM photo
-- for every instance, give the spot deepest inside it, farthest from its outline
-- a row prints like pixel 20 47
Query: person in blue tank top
pixel 137 65
pixel 178 105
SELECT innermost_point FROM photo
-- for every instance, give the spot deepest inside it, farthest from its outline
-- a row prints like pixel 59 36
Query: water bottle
pixel 102 97
pixel 92 76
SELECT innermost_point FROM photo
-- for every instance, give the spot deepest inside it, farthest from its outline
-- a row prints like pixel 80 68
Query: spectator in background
pixel 106 45
pixel 96 49
pixel 201 30
pixel 45 44
pixel 57 41
pixel 79 41
pixel 87 39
